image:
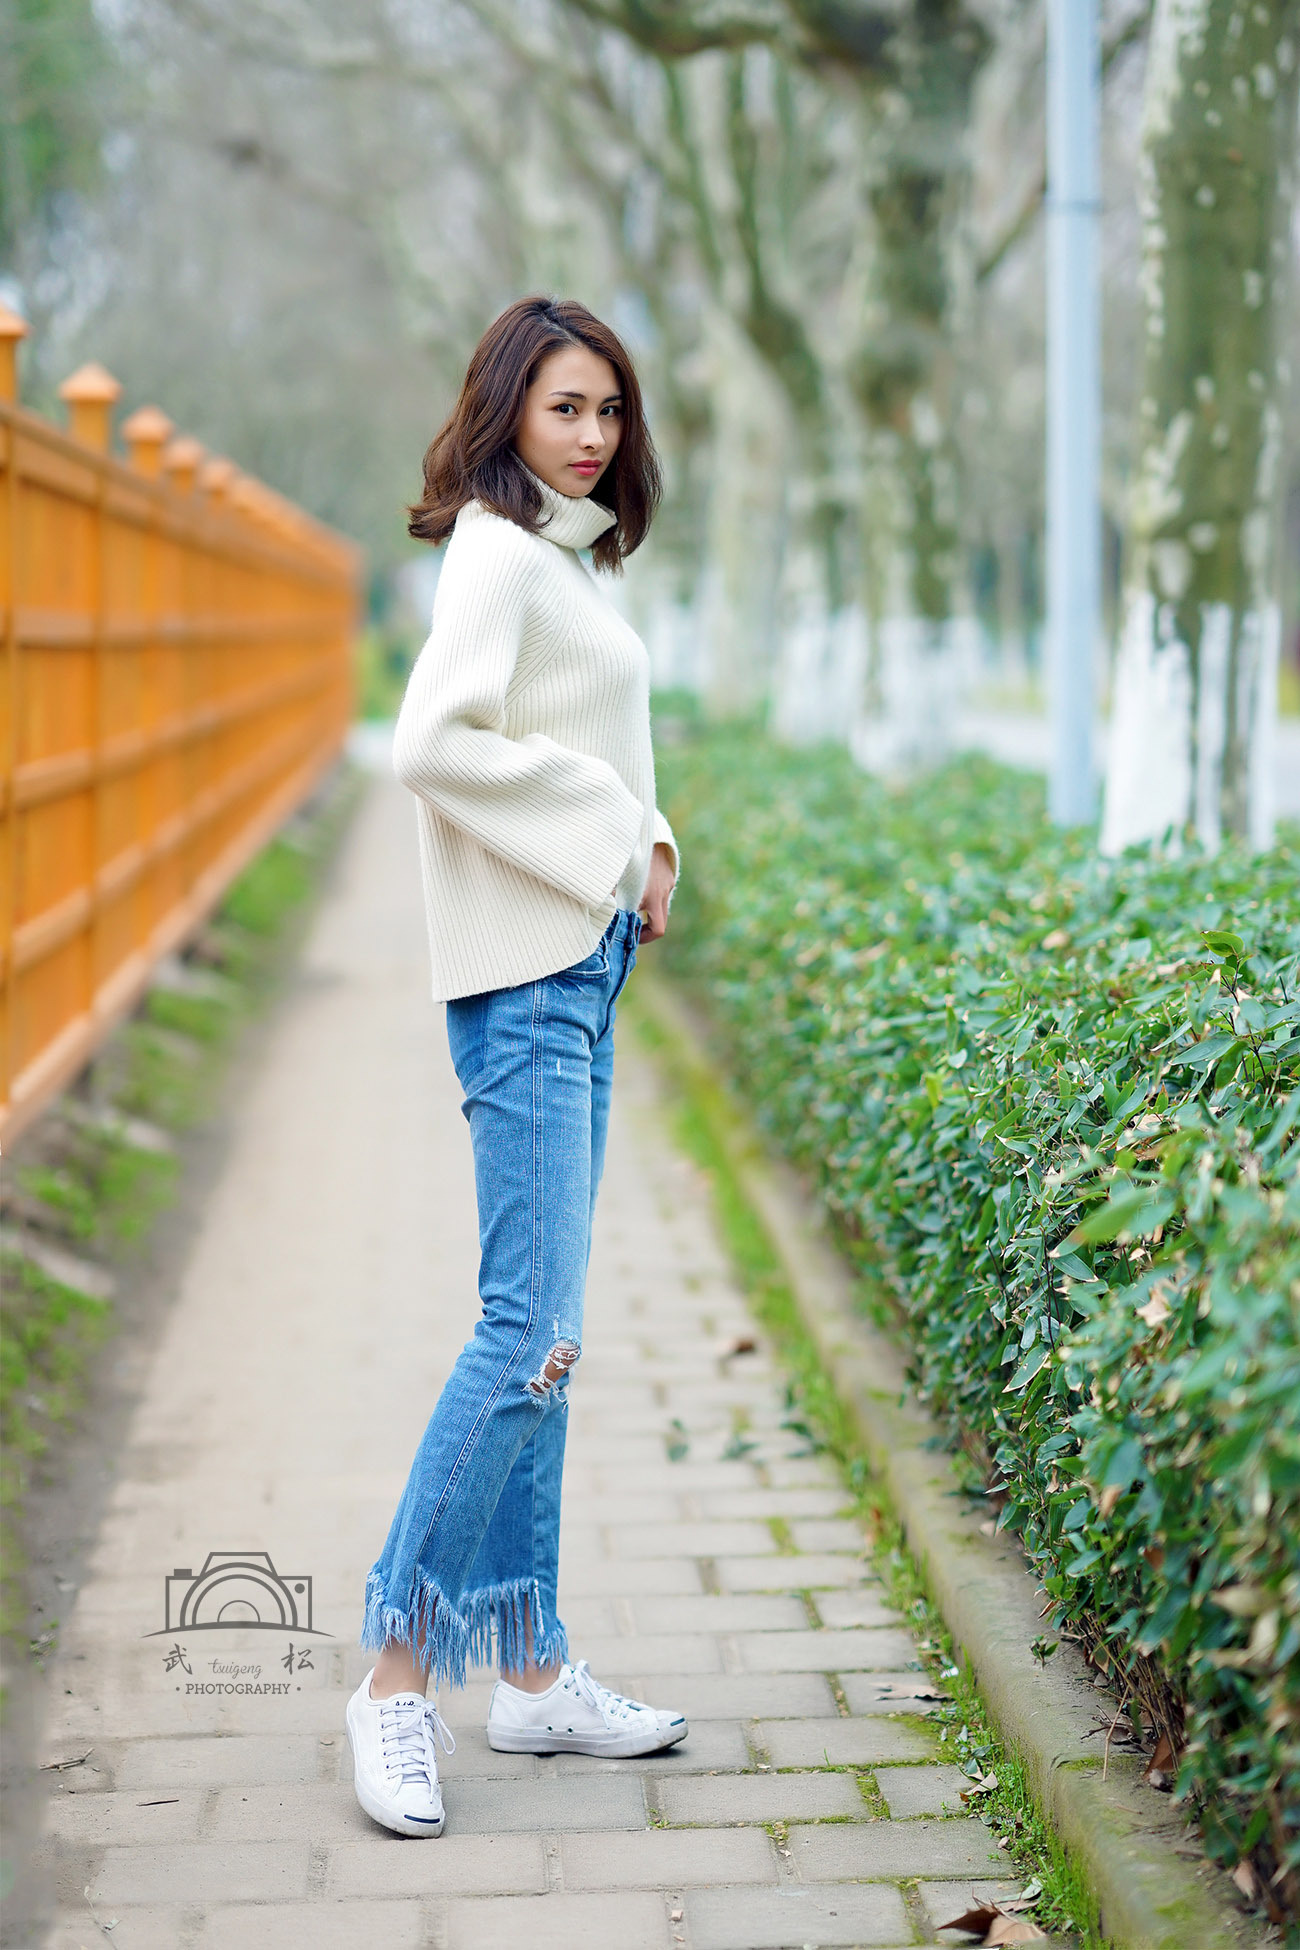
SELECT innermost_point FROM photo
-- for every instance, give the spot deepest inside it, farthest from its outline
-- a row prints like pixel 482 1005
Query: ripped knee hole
pixel 557 1364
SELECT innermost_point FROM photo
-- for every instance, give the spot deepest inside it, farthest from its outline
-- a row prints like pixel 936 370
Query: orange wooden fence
pixel 177 673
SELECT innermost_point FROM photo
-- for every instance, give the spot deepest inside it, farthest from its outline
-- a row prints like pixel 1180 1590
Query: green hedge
pixel 1058 1099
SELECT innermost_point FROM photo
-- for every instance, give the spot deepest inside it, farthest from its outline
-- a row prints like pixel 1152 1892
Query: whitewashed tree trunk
pixel 920 672
pixel 743 543
pixel 903 370
pixel 1195 692
pixel 819 682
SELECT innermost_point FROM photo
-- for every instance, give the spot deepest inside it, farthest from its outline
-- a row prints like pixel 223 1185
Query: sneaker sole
pixel 521 1740
pixel 399 1824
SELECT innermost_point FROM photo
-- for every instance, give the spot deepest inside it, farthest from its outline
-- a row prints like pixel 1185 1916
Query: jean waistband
pixel 626 921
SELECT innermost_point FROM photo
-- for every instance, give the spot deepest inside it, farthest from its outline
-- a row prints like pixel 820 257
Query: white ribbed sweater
pixel 525 735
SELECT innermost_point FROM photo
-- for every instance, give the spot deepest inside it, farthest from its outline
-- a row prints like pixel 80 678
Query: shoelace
pixel 411 1732
pixel 611 1704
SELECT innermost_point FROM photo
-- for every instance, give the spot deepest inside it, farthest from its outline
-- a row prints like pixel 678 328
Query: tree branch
pixel 1023 221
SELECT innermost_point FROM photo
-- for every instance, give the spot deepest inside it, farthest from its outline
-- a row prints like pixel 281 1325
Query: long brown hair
pixel 472 456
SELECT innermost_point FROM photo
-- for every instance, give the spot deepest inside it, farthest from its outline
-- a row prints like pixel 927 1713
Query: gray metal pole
pixel 1073 403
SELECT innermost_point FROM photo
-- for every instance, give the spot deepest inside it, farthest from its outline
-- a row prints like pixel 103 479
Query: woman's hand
pixel 653 903
pixel 659 884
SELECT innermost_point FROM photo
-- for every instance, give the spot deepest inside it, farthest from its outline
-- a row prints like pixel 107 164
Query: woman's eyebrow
pixel 567 394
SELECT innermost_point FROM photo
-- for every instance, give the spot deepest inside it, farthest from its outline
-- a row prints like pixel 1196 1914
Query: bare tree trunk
pixel 904 376
pixel 1196 678
pixel 732 174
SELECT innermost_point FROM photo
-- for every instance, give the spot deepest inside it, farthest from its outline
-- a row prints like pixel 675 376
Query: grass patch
pixel 708 1127
pixel 47 1333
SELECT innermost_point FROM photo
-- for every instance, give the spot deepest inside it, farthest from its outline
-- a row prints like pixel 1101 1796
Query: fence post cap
pixel 216 476
pixel 249 496
pixel 147 423
pixel 146 433
pixel 90 385
pixel 90 394
pixel 182 458
pixel 12 329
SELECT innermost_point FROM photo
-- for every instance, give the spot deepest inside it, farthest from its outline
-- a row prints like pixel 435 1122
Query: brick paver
pixel 709 1563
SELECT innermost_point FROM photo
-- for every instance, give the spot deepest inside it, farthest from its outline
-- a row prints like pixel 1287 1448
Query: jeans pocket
pixel 593 967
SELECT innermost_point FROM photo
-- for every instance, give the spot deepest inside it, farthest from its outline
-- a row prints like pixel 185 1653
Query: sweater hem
pixel 546 964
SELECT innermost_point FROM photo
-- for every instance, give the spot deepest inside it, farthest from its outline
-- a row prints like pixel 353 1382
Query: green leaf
pixel 1078 1269
pixel 1028 1368
pixel 1135 1213
pixel 1124 1466
pixel 1204 1055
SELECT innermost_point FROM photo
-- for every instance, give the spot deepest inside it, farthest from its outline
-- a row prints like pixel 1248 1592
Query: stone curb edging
pixel 1124 1836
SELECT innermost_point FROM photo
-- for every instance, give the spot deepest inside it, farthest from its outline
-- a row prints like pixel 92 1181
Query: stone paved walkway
pixel 707 1565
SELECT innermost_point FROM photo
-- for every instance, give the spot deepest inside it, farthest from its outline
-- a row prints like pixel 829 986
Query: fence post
pixel 216 478
pixel 12 330
pixel 90 395
pixel 181 460
pixel 146 433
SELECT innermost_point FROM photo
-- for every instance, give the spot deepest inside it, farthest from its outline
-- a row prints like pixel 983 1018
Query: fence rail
pixel 177 674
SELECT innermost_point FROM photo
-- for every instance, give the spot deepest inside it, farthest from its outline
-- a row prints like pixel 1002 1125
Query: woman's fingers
pixel 655 908
pixel 654 901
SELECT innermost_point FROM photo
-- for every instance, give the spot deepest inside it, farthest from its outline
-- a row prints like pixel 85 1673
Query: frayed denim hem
pixel 486 1627
pixel 495 1615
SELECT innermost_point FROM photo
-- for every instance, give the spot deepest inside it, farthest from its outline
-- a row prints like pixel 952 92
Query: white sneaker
pixel 394 1763
pixel 577 1715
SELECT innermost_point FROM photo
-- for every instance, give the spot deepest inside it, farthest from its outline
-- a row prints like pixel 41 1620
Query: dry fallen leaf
pixel 975 1921
pixel 1242 1600
pixel 1109 1497
pixel 984 1785
pixel 1161 1765
pixel 1244 1877
pixel 1156 1311
pixel 744 1344
pixel 992 1925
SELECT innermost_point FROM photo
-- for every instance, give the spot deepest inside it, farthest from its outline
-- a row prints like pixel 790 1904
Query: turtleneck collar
pixel 570 520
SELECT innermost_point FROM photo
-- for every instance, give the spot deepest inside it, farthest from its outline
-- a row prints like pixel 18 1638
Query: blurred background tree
pixel 817 222
pixel 53 63
pixel 1197 673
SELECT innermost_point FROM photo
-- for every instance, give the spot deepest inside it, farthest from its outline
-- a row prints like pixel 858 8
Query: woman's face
pixel 572 420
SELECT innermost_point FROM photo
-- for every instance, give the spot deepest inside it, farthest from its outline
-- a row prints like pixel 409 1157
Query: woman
pixel 525 735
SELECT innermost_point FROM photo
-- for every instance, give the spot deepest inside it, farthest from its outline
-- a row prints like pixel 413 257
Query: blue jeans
pixel 474 1544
